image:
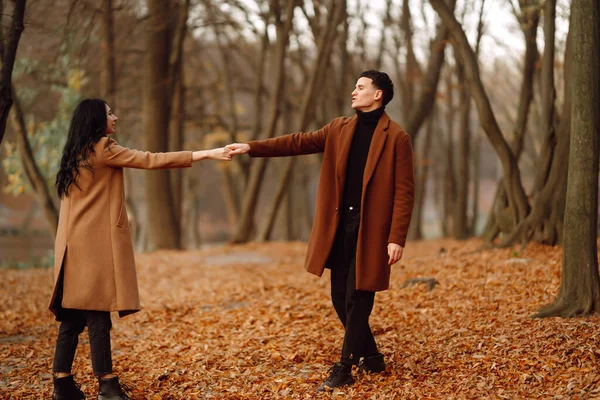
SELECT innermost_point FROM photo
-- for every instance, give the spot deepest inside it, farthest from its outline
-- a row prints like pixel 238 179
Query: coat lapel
pixel 346 136
pixel 379 137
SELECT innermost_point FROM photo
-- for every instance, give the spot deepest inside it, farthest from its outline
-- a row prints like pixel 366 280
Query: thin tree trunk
pixel 431 78
pixel 109 81
pixel 413 69
pixel 475 180
pixel 8 54
pixel 448 174
pixel 259 85
pixel 424 161
pixel 176 143
pixel 162 227
pixel 463 155
pixel 32 171
pixel 383 41
pixel 547 99
pixel 579 292
pixel 461 222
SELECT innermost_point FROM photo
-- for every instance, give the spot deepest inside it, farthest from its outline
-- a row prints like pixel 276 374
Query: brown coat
pixel 387 196
pixel 93 244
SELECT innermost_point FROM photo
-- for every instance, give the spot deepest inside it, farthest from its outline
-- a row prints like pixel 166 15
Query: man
pixel 364 205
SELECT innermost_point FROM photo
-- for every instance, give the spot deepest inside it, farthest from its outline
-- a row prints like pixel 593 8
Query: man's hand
pixel 395 253
pixel 238 148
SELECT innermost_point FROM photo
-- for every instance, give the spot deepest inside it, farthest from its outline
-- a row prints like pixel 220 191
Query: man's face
pixel 365 96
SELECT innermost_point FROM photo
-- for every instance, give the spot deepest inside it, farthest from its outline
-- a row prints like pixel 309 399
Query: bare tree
pixel 579 291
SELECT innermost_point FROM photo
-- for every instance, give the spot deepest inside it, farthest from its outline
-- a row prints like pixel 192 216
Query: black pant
pixel 72 323
pixel 352 306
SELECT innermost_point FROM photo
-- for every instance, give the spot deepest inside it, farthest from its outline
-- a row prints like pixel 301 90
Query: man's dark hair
pixel 382 81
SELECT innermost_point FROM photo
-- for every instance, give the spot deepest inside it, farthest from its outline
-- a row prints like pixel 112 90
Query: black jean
pixel 352 306
pixel 72 323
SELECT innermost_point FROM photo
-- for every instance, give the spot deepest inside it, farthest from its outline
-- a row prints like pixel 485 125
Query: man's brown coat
pixel 387 193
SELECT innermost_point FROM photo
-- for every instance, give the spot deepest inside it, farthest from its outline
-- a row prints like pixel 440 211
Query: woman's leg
pixel 72 324
pixel 99 325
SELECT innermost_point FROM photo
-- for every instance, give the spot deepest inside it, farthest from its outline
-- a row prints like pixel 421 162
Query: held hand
pixel 395 252
pixel 220 153
pixel 238 148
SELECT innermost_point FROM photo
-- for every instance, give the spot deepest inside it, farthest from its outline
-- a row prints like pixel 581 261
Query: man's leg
pixel 358 340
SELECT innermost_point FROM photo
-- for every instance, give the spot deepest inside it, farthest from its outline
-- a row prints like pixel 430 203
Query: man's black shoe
pixel 340 376
pixel 372 364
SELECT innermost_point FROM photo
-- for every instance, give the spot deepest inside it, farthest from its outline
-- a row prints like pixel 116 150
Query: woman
pixel 94 268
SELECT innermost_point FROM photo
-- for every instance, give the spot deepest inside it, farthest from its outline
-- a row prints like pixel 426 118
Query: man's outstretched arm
pixel 287 145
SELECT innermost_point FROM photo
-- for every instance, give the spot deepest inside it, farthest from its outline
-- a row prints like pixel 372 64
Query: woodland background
pixel 501 99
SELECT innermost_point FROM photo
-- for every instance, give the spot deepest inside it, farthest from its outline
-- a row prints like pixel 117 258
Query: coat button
pixel 336 209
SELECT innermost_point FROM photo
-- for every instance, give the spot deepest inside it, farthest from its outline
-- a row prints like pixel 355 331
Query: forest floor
pixel 247 322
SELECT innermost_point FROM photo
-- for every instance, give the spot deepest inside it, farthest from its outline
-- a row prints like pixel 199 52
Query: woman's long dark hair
pixel 88 125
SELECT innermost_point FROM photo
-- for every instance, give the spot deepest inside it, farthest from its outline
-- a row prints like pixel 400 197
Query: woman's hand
pixel 220 153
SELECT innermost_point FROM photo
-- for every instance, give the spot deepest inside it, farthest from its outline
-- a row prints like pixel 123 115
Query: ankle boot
pixel 110 389
pixel 373 364
pixel 66 389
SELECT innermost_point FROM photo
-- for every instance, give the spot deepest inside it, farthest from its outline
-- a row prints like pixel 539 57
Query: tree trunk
pixel 431 78
pixel 176 143
pixel 547 99
pixel 463 157
pixel 579 292
pixel 448 186
pixel 109 81
pixel 424 161
pixel 32 171
pixel 162 227
pixel 8 53
pixel 475 180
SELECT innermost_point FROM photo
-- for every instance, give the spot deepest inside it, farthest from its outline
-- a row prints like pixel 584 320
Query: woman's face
pixel 111 120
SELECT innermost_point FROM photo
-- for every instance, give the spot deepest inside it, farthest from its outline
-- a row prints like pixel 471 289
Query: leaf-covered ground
pixel 247 322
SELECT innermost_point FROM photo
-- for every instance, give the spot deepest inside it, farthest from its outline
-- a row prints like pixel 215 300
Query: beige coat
pixel 387 194
pixel 93 245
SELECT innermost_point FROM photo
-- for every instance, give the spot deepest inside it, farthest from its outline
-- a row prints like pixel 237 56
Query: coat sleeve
pixel 117 156
pixel 404 191
pixel 293 144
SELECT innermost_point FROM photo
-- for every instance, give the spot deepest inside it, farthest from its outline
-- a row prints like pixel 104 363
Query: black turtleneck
pixel 357 158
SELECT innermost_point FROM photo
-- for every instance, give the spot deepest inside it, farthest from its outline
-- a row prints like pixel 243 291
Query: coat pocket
pixel 121 218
